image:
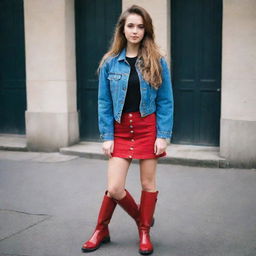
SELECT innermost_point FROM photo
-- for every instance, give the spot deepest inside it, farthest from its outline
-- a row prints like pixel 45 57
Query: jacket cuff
pixel 164 134
pixel 107 136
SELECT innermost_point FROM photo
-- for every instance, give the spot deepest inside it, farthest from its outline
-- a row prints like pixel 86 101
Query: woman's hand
pixel 160 146
pixel 108 147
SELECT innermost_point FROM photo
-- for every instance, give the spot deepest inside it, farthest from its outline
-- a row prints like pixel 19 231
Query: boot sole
pixel 145 252
pixel 153 222
pixel 104 241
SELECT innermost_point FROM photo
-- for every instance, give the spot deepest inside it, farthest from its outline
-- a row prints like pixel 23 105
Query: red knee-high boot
pixel 101 232
pixel 129 205
pixel 147 208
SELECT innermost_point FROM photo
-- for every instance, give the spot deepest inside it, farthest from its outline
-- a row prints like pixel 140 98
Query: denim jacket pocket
pixel 114 80
pixel 114 76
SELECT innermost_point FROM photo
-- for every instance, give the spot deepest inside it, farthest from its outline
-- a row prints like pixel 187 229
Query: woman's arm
pixel 105 106
pixel 164 104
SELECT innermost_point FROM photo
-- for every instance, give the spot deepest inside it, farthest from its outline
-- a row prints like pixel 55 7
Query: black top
pixel 132 100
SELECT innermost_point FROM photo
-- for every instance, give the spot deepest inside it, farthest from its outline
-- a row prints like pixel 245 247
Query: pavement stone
pixel 14 222
pixel 13 142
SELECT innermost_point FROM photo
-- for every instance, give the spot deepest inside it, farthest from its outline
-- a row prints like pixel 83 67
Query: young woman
pixel 135 110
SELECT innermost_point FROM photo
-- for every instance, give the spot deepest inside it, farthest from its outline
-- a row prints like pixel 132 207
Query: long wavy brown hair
pixel 149 52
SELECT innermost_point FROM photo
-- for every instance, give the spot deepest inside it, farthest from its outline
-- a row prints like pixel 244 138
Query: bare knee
pixel 148 185
pixel 116 192
pixel 148 174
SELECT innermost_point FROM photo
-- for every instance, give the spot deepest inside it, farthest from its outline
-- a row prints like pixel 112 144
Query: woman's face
pixel 134 28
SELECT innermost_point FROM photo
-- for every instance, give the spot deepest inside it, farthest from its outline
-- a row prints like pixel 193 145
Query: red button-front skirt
pixel 135 136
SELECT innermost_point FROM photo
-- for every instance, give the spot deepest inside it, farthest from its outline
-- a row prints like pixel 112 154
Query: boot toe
pixel 145 251
pixel 89 246
pixel 146 248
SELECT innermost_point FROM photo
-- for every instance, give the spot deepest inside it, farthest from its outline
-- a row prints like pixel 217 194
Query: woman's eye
pixel 141 26
pixel 130 25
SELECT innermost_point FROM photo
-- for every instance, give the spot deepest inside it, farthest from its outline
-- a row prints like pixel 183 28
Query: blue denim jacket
pixel 113 83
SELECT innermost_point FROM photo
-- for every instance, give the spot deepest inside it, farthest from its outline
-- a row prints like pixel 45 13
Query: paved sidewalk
pixel 49 204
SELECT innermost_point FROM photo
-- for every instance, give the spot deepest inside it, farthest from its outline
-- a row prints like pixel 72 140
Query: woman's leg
pixel 147 203
pixel 117 172
pixel 148 174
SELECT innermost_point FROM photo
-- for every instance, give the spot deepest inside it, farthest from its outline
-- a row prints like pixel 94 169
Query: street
pixel 49 205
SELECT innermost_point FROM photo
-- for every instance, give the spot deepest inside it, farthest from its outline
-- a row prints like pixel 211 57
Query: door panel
pixel 12 67
pixel 95 21
pixel 196 70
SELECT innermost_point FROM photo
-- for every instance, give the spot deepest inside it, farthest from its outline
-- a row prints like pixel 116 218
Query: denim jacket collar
pixel 122 55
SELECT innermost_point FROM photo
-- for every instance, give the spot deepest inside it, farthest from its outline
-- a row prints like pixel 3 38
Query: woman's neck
pixel 132 50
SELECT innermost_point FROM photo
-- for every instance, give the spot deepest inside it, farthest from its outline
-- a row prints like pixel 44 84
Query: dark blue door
pixel 12 67
pixel 196 70
pixel 95 20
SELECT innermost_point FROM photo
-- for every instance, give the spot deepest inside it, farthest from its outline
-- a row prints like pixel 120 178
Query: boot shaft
pixel 101 232
pixel 107 208
pixel 130 206
pixel 147 208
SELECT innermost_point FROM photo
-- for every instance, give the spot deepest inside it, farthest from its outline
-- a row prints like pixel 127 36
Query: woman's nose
pixel 135 30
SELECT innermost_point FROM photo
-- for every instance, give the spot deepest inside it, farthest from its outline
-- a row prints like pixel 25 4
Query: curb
pixel 14 148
